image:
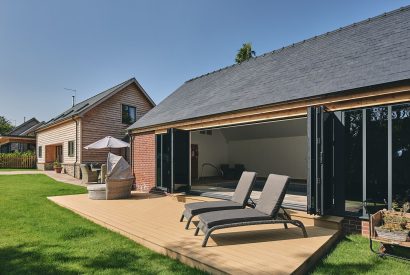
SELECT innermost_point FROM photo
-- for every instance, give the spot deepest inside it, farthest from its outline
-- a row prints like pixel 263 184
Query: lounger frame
pixel 248 202
pixel 209 231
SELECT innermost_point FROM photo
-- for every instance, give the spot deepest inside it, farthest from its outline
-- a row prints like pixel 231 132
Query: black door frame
pixel 168 166
pixel 320 161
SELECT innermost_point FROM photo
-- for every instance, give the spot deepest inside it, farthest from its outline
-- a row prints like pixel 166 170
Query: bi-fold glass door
pixel 325 161
pixel 172 160
pixel 357 155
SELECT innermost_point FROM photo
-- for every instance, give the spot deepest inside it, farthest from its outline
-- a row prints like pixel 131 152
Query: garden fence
pixel 17 161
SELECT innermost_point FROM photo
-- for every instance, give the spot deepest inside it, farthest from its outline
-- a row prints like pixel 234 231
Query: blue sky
pixel 46 46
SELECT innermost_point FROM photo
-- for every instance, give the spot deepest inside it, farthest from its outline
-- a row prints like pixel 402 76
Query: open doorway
pixel 220 155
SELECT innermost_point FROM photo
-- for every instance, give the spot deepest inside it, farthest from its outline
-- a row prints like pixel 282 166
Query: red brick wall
pixel 355 225
pixel 365 228
pixel 143 162
pixel 351 225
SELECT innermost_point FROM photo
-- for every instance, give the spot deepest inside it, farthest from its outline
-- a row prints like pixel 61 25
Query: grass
pixel 39 237
pixel 17 169
pixel 353 256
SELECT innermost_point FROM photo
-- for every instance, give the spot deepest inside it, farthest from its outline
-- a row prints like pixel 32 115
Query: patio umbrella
pixel 107 142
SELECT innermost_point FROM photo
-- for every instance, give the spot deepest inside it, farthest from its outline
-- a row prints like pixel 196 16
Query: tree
pixel 5 125
pixel 245 53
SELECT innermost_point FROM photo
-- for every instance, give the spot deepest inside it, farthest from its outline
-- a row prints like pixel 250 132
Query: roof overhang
pixel 388 93
pixel 57 123
pixel 19 139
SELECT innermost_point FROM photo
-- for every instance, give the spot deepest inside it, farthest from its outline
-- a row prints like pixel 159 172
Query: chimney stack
pixel 73 100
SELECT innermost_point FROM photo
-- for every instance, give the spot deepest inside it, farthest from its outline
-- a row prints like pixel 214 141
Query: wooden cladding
pixel 59 135
pixel 352 100
pixel 106 119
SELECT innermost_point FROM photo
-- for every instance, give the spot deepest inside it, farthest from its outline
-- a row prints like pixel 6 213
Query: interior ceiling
pixel 276 129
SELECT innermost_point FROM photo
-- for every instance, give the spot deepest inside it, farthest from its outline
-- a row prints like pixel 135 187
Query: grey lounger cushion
pixel 265 212
pixel 215 218
pixel 238 201
pixel 196 208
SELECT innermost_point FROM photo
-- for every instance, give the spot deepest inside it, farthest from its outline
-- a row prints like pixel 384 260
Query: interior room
pixel 220 155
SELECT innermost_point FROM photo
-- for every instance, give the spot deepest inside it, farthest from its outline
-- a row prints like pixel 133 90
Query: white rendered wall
pixel 286 156
pixel 212 149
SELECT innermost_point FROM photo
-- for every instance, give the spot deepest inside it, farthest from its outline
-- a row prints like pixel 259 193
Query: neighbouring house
pixel 332 112
pixel 22 138
pixel 108 113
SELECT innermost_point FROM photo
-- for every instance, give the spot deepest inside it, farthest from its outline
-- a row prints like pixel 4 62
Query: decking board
pixel 154 222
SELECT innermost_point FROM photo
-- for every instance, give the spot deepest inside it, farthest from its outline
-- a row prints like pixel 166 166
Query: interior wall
pixel 284 155
pixel 212 149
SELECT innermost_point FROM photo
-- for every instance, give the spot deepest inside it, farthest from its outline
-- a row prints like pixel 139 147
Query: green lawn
pixel 353 256
pixel 17 169
pixel 39 237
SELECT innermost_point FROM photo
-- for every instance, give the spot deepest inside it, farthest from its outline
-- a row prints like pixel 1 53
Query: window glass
pixel 353 152
pixel 159 159
pixel 129 114
pixel 71 148
pixel 376 154
pixel 132 114
pixel 400 154
pixel 40 151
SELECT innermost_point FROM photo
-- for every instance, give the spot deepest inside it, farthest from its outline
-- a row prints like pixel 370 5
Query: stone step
pixel 327 221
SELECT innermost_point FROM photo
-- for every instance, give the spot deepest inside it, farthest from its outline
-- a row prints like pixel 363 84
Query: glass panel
pixel 71 148
pixel 376 154
pixel 400 154
pixel 129 114
pixel 166 161
pixel 158 156
pixel 181 160
pixel 125 115
pixel 132 114
pixel 353 152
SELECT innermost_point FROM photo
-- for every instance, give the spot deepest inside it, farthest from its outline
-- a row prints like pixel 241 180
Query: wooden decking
pixel 154 222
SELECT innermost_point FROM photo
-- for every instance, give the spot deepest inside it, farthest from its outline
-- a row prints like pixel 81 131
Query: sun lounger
pixel 239 200
pixel 267 211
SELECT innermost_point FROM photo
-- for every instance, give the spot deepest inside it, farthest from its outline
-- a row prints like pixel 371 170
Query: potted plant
pixel 57 167
pixel 394 225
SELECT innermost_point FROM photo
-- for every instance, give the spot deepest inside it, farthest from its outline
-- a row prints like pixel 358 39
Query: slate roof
pixel 372 52
pixel 91 102
pixel 23 128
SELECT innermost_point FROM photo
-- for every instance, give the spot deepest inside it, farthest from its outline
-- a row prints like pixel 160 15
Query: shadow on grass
pixel 138 263
pixel 348 268
pixel 77 233
pixel 352 255
pixel 23 259
pixel 114 259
